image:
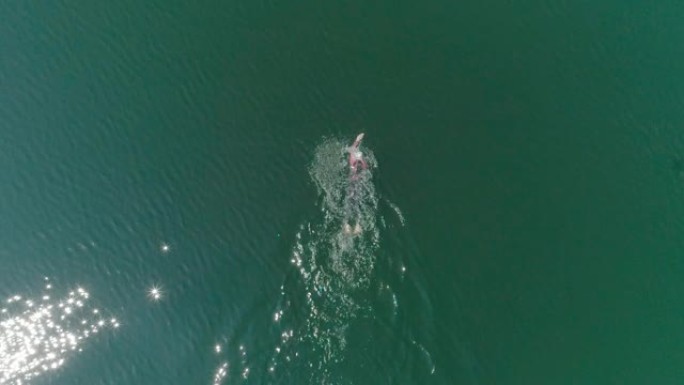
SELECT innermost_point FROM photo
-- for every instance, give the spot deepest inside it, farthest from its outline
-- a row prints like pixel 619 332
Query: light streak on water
pixel 39 335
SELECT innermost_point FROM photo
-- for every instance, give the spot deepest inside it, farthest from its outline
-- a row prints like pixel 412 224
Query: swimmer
pixel 356 156
pixel 355 159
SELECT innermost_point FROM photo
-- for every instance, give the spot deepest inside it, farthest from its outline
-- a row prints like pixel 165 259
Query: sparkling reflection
pixel 39 335
pixel 155 293
pixel 240 367
pixel 220 374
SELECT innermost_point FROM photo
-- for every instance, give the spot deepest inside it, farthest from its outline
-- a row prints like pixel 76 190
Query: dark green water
pixel 524 217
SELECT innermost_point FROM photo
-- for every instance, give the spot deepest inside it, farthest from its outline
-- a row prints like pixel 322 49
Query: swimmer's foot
pixel 357 229
pixel 346 228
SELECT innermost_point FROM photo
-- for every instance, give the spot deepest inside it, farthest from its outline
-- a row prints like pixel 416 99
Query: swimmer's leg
pixel 357 229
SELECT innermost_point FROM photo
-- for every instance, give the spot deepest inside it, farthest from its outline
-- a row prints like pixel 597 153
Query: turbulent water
pixel 335 255
pixel 341 293
pixel 335 264
pixel 340 247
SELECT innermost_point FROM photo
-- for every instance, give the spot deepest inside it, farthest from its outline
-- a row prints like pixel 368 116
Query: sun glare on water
pixel 39 335
pixel 155 293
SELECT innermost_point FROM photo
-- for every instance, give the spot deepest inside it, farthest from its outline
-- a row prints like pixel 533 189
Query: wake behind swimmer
pixel 335 255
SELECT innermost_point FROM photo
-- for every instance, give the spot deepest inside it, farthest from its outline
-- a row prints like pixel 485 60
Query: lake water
pixel 176 205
